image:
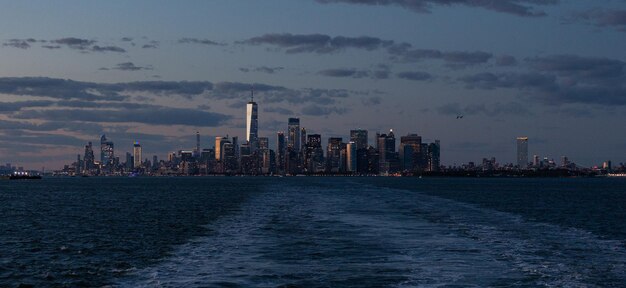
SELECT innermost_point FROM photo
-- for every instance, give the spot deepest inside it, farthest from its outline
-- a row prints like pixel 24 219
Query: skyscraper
pixel 359 137
pixel 314 154
pixel 434 156
pixel 280 151
pixel 219 143
pixel 294 135
pixel 252 123
pixel 89 158
pixel 411 154
pixel 137 155
pixel 388 158
pixel 264 143
pixel 333 154
pixel 302 138
pixel 106 151
pixel 522 152
pixel 351 157
pixel 197 151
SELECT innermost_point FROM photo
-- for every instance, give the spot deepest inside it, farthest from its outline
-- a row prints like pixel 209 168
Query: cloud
pixel 51 126
pixel 316 110
pixel 39 138
pixel 129 66
pixel 74 43
pixel 405 52
pixel 51 47
pixel 199 41
pixel 343 73
pixel 506 60
pixel 601 18
pixel 562 79
pixel 577 66
pixel 317 43
pixel 61 89
pixel 371 101
pixel 525 8
pixel 19 105
pixel 415 76
pixel 377 72
pixel 497 109
pixel 97 48
pixel 19 43
pixel 490 81
pixel 126 39
pixel 58 89
pixel 155 115
pixel 262 69
pixel 151 45
pixel 278 110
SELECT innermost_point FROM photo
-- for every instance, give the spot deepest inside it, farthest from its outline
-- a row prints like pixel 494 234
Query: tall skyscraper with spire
pixel 252 122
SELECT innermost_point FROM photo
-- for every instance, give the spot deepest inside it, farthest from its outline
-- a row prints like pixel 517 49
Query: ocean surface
pixel 312 232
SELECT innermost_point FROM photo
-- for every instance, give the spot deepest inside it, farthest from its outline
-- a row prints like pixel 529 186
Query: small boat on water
pixel 24 177
pixel 616 175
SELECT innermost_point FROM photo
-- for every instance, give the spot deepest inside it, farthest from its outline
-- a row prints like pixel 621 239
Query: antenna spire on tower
pixel 252 93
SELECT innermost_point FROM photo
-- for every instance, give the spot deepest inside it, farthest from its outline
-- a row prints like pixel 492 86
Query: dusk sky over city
pixel 158 71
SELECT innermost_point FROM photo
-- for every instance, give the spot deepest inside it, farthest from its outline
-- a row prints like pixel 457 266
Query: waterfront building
pixel 137 151
pixel 434 156
pixel 389 161
pixel 264 143
pixel 252 123
pixel 359 137
pixel 333 154
pixel 293 137
pixel 351 157
pixel 196 152
pixel 88 159
pixel 522 152
pixel 280 151
pixel 129 161
pixel 314 154
pixel 302 138
pixel 106 152
pixel 411 153
pixel 219 143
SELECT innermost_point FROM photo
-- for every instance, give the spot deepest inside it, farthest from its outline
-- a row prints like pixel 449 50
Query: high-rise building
pixel 89 159
pixel 252 123
pixel 351 157
pixel 137 155
pixel 106 151
pixel 359 137
pixel 302 138
pixel 522 152
pixel 314 154
pixel 388 158
pixel 434 156
pixel 264 143
pixel 411 158
pixel 280 151
pixel 333 154
pixel 219 142
pixel 197 151
pixel 293 136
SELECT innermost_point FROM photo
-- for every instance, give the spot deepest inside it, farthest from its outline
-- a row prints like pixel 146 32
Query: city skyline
pixel 472 75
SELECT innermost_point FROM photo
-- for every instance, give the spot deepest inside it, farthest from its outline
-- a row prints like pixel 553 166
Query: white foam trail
pixel 368 236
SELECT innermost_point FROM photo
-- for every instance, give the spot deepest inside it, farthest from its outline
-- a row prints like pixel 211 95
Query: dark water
pixel 313 232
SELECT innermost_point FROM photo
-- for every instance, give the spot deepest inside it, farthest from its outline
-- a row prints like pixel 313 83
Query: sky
pixel 158 71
